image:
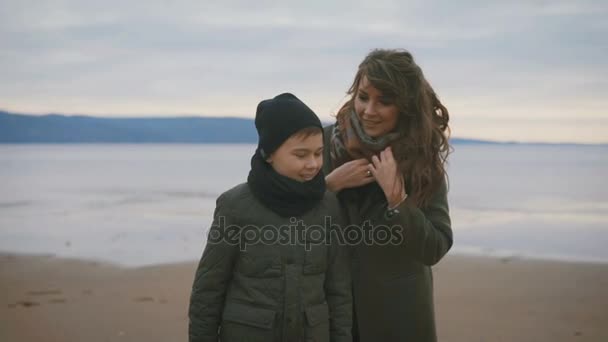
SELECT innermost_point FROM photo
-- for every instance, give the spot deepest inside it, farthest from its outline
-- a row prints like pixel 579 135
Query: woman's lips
pixel 370 123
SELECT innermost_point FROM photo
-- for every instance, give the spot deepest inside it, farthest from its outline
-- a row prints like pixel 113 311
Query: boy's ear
pixel 268 158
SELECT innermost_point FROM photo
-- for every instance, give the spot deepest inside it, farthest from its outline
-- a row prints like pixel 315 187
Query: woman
pixel 259 279
pixel 386 161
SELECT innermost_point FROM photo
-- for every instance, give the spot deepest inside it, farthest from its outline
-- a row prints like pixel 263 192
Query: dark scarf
pixel 283 195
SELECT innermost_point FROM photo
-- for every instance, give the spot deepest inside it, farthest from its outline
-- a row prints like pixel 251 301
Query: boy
pixel 266 273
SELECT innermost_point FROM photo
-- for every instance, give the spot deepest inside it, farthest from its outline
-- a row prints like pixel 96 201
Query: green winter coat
pixel 270 292
pixel 393 283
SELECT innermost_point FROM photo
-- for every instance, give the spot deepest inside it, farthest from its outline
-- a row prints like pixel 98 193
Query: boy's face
pixel 299 158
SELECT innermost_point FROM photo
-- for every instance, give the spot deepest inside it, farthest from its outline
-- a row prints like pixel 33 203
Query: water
pixel 146 204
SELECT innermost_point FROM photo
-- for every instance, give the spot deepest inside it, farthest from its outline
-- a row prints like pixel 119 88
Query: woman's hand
pixel 386 172
pixel 349 175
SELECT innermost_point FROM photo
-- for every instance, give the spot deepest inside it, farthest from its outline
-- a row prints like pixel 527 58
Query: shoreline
pixel 482 253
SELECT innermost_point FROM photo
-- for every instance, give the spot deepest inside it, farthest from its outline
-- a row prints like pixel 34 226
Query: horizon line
pixel 194 116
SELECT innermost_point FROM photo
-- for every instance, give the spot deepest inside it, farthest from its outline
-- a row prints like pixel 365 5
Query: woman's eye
pixel 362 98
pixel 386 102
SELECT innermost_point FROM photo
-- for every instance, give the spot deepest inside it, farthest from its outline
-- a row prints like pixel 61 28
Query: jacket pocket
pixel 317 319
pixel 242 322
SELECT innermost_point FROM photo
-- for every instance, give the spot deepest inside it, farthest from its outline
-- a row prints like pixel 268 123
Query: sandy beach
pixel 45 298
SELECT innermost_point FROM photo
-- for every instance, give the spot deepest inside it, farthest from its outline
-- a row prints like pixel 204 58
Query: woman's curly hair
pixel 423 146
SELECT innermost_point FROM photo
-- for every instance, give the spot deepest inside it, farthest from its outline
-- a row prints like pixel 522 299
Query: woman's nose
pixel 369 108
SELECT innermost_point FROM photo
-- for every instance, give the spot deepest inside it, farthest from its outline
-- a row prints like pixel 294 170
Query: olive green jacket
pixel 268 291
pixel 393 283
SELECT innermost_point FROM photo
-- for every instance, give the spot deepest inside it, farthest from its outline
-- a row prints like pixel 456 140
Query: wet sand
pixel 477 299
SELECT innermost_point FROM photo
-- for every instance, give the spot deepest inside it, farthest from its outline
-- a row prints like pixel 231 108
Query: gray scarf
pixel 351 142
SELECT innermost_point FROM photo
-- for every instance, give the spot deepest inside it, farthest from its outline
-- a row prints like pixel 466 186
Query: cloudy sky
pixel 506 70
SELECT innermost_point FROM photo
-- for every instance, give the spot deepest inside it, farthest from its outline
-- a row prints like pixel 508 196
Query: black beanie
pixel 278 118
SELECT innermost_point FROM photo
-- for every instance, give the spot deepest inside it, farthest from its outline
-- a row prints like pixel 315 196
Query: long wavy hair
pixel 423 147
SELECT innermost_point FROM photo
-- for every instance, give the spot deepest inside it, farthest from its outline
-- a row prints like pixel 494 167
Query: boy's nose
pixel 312 163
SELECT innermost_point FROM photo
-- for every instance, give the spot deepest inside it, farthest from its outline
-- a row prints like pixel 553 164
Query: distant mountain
pixel 55 128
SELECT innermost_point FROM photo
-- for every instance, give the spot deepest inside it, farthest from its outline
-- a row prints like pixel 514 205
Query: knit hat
pixel 278 118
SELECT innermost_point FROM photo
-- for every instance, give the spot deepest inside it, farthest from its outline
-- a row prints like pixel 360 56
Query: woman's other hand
pixel 386 172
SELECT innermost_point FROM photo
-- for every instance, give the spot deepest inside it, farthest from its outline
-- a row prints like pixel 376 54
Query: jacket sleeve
pixel 338 291
pixel 212 279
pixel 427 232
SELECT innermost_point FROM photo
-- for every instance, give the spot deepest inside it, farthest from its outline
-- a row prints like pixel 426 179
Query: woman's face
pixel 378 113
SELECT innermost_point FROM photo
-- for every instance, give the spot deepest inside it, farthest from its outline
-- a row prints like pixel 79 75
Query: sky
pixel 506 70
